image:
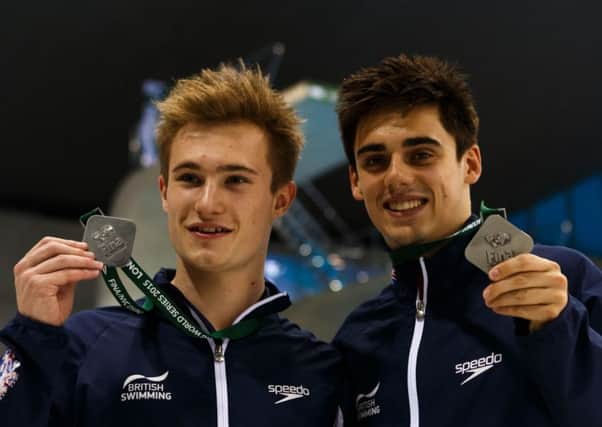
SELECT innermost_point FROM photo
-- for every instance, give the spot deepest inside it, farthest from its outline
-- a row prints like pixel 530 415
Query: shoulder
pixel 291 348
pixel 560 254
pixel 570 260
pixel 87 326
pixel 282 350
pixel 295 357
pixel 580 271
pixel 302 340
pixel 100 318
pixel 375 315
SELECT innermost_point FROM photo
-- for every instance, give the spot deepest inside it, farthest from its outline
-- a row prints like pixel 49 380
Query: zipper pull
pixel 420 312
pixel 219 352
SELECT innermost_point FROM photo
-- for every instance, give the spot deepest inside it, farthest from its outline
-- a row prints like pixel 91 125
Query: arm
pixel 35 356
pixel 38 366
pixel 564 353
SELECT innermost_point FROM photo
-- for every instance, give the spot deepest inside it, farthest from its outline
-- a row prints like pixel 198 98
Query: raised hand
pixel 529 287
pixel 46 276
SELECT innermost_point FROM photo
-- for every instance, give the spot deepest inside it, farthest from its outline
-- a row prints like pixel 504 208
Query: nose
pixel 399 175
pixel 209 200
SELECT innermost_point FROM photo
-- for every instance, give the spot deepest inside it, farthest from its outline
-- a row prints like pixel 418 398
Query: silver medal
pixel 111 239
pixel 496 241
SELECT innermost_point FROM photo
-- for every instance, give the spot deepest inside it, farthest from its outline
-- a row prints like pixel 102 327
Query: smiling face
pixel 408 175
pixel 219 203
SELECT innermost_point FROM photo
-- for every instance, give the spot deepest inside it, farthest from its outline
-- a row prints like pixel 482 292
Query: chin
pixel 209 260
pixel 203 261
pixel 397 242
pixel 397 238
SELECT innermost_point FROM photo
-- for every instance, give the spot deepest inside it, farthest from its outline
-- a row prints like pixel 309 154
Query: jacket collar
pixel 272 301
pixel 444 267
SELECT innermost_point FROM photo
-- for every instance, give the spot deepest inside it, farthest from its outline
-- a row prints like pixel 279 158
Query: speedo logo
pixel 290 392
pixel 478 366
pixel 139 387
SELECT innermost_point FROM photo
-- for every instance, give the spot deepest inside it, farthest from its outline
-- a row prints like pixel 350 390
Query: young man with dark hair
pixel 229 145
pixel 447 344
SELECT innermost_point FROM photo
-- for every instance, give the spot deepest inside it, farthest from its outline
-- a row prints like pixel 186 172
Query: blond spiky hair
pixel 229 94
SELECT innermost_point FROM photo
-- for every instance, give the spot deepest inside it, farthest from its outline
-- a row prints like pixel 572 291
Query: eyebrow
pixel 409 142
pixel 231 167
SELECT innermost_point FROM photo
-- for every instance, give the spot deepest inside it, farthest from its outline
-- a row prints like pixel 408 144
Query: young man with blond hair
pixel 447 344
pixel 228 148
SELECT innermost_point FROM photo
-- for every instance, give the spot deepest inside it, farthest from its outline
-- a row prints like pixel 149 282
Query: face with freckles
pixel 408 175
pixel 218 197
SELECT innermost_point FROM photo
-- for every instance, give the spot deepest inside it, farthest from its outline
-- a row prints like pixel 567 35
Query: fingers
pixel 527 297
pixel 520 288
pixel 529 287
pixel 537 313
pixel 69 277
pixel 66 262
pixel 521 263
pixel 50 247
pixel 56 262
pixel 46 276
pixel 50 239
pixel 52 284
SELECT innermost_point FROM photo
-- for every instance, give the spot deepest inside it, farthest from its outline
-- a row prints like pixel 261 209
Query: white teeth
pixel 211 229
pixel 402 206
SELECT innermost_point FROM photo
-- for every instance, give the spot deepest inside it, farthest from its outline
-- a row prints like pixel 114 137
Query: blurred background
pixel 76 119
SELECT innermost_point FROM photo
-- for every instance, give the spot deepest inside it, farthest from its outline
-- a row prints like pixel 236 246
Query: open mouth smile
pixel 209 230
pixel 405 206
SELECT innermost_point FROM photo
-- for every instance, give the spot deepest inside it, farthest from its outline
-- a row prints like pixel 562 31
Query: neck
pixel 220 296
pixel 428 249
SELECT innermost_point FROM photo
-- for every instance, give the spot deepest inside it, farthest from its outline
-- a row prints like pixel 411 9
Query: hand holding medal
pixel 46 276
pixel 523 285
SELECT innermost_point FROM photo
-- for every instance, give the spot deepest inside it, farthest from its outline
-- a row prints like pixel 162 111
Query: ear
pixel 356 191
pixel 472 160
pixel 283 198
pixel 163 191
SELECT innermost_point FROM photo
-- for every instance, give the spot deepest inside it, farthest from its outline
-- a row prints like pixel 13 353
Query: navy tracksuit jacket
pixel 462 365
pixel 109 367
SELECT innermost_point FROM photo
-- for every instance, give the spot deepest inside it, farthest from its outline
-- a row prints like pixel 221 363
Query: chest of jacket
pixel 167 379
pixel 458 354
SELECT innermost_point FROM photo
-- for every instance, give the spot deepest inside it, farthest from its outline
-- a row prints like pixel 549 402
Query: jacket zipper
pixel 221 382
pixel 218 347
pixel 421 299
pixel 219 365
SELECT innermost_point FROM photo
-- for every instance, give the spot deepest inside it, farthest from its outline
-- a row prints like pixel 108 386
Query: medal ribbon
pixel 157 299
pixel 406 253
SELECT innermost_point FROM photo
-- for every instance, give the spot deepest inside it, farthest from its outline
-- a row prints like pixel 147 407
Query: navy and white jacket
pixel 110 367
pixel 463 365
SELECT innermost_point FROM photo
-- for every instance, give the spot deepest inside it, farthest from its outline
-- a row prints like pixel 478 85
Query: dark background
pixel 71 74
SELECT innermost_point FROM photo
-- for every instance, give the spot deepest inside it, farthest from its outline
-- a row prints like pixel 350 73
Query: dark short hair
pixel 405 82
